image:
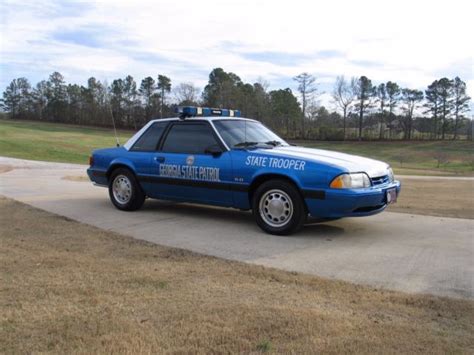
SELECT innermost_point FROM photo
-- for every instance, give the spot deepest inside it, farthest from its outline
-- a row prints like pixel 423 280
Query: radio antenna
pixel 109 105
pixel 245 131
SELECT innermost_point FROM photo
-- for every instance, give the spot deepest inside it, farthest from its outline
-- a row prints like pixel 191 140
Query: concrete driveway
pixel 392 250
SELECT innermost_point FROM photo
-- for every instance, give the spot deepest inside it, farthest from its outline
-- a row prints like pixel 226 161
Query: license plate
pixel 391 196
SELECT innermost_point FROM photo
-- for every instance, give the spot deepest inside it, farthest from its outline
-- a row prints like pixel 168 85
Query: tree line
pixel 443 105
pixel 363 110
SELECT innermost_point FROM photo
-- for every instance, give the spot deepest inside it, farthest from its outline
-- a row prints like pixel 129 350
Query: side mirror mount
pixel 215 150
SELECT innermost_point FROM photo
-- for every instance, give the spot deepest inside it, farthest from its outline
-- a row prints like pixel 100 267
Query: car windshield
pixel 244 134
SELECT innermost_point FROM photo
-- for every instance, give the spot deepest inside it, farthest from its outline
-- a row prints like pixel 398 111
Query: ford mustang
pixel 215 157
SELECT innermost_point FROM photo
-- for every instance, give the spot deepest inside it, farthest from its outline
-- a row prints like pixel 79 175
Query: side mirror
pixel 214 150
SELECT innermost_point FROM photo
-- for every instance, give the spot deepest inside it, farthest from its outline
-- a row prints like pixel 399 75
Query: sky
pixel 412 42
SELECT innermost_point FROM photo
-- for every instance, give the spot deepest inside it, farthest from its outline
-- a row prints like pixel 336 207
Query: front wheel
pixel 124 191
pixel 278 207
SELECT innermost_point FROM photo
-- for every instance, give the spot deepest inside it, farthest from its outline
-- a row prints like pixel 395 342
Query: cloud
pixel 288 59
pixel 89 37
pixel 275 40
pixel 279 58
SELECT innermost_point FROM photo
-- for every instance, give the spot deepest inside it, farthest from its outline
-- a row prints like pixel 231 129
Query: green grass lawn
pixel 417 157
pixel 73 144
pixel 54 142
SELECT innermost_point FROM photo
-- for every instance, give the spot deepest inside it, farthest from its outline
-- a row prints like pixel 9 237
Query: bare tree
pixel 393 96
pixel 343 96
pixel 164 85
pixel 411 98
pixel 365 92
pixel 445 90
pixel 130 93
pixel 381 94
pixel 147 91
pixel 460 102
pixel 401 157
pixel 186 94
pixel 432 104
pixel 441 157
pixel 264 83
pixel 307 89
pixel 261 98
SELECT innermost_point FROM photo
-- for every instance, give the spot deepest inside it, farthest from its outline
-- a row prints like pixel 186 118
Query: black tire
pixel 287 199
pixel 132 193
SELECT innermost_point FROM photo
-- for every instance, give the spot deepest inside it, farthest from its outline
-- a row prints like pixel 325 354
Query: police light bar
pixel 192 111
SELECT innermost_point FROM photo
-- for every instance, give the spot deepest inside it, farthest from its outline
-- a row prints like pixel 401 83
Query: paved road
pixel 391 250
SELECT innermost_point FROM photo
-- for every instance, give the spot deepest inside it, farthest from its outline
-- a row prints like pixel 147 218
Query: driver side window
pixel 189 138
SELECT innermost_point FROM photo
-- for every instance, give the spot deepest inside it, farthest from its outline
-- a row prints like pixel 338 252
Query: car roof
pixel 201 118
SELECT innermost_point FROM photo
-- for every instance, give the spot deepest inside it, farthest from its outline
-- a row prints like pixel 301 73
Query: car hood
pixel 351 163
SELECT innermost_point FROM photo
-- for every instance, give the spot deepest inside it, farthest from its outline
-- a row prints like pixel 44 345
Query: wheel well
pixel 115 167
pixel 267 177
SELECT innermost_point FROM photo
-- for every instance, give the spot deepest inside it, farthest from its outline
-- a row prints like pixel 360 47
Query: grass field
pixel 66 143
pixel 54 142
pixel 412 158
pixel 66 287
pixel 435 197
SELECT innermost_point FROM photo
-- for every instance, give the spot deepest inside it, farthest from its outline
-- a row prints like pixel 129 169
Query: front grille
pixel 380 180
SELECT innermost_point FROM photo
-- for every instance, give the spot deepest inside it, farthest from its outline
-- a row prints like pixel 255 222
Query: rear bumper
pixel 351 203
pixel 98 177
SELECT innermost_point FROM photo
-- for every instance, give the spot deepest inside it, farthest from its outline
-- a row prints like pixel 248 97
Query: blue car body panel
pixel 228 179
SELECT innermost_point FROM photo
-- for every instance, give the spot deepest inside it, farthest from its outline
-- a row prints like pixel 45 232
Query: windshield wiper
pixel 273 143
pixel 245 144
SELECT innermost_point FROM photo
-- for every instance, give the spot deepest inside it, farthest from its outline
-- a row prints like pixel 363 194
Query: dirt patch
pixel 68 287
pixel 431 197
pixel 5 168
pixel 77 178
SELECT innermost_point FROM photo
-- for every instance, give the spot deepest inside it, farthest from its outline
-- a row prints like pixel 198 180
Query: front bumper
pixel 339 203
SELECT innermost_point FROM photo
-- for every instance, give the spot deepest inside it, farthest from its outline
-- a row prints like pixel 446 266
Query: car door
pixel 143 151
pixel 193 165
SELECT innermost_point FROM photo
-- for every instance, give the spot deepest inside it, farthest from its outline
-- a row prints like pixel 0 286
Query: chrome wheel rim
pixel 122 189
pixel 276 208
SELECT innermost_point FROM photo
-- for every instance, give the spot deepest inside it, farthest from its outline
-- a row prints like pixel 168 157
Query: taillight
pixel 91 160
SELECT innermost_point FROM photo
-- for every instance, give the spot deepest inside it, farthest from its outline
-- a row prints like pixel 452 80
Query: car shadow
pixel 313 228
pixel 202 211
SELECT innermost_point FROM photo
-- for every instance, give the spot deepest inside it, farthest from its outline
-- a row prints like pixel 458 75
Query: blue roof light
pixel 193 111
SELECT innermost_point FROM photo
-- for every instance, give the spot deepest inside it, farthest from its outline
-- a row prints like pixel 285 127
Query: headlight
pixel 350 181
pixel 391 177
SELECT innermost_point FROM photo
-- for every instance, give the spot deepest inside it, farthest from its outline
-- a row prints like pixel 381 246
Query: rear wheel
pixel 124 190
pixel 278 207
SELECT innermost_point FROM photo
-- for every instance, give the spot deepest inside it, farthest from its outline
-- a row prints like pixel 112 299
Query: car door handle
pixel 159 159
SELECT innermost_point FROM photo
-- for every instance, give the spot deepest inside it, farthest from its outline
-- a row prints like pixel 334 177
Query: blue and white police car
pixel 215 157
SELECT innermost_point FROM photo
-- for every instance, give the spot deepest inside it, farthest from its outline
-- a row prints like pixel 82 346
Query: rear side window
pixel 149 140
pixel 189 139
